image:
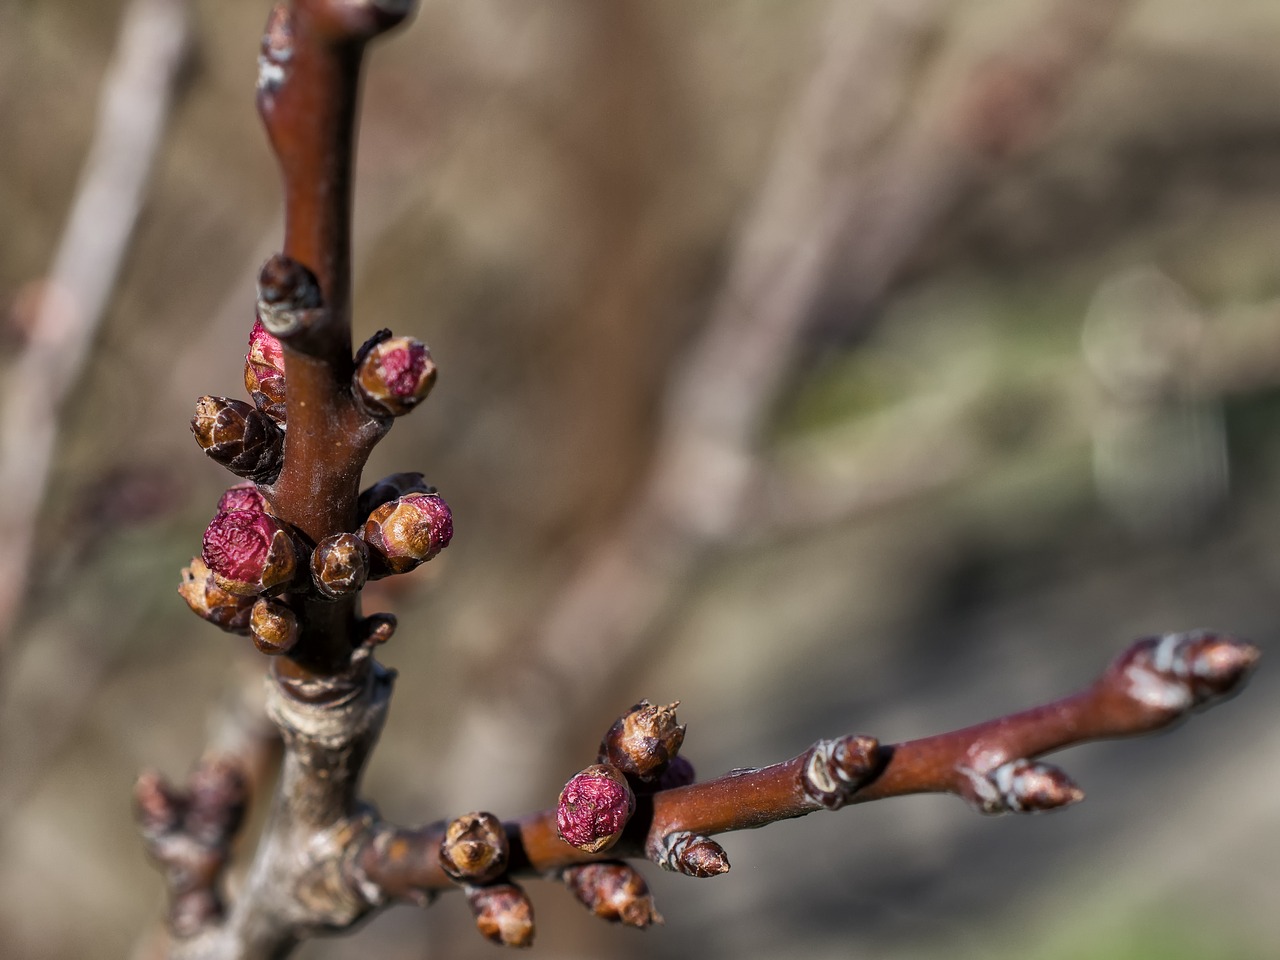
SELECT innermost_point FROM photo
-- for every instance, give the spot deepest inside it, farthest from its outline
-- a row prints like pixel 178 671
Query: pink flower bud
pixel 394 375
pixel 408 531
pixel 264 372
pixel 249 552
pixel 243 496
pixel 594 807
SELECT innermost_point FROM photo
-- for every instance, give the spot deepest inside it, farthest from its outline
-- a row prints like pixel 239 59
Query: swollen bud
pixel 503 914
pixel 643 740
pixel 691 854
pixel 264 372
pixel 208 600
pixel 612 891
pixel 249 551
pixel 474 848
pixel 339 565
pixel 240 437
pixel 408 531
pixel 393 374
pixel 274 627
pixel 594 807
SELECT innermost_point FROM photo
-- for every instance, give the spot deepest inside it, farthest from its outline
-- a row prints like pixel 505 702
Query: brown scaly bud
pixel 157 806
pixel 377 628
pixel 503 912
pixel 1020 786
pixel 289 299
pixel 1178 672
pixel 612 891
pixel 264 372
pixel 219 794
pixel 339 565
pixel 678 772
pixel 390 488
pixel 249 551
pixel 208 600
pixel 273 626
pixel 643 740
pixel 474 848
pixel 691 854
pixel 594 807
pixel 240 437
pixel 393 374
pixel 407 531
pixel 837 769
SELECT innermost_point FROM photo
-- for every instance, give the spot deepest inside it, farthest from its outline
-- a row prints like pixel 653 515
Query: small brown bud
pixel 389 488
pixel 203 595
pixel 219 794
pixel 594 807
pixel 612 891
pixel 376 629
pixel 838 769
pixel 691 854
pixel 643 740
pixel 264 372
pixel 408 531
pixel 503 912
pixel 474 848
pixel 1177 672
pixel 288 296
pixel 274 627
pixel 249 551
pixel 157 806
pixel 240 437
pixel 1020 786
pixel 339 565
pixel 393 375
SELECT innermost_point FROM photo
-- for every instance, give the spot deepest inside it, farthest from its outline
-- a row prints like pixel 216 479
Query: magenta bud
pixel 264 372
pixel 393 375
pixel 243 496
pixel 594 807
pixel 408 531
pixel 249 552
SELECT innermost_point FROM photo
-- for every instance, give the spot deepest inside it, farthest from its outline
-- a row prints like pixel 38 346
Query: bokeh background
pixel 828 365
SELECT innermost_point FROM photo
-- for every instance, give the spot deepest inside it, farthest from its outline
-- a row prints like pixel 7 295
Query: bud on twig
pixel 1178 672
pixel 1020 786
pixel 503 914
pixel 594 807
pixel 288 296
pixel 408 531
pixel 376 629
pixel 218 792
pixel 643 740
pixel 612 891
pixel 208 600
pixel 274 627
pixel 691 854
pixel 389 488
pixel 837 769
pixel 240 437
pixel 243 496
pixel 393 374
pixel 248 550
pixel 474 848
pixel 339 565
pixel 264 372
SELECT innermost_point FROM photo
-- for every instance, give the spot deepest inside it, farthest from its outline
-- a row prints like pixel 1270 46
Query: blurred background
pixel 828 365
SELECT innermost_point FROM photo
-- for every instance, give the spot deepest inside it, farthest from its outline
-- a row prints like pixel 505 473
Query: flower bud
pixel 208 600
pixel 264 372
pixel 240 437
pixel 503 913
pixel 408 531
pixel 612 891
pixel 474 848
pixel 243 496
pixel 643 740
pixel 393 375
pixel 339 565
pixel 691 854
pixel 274 627
pixel 594 807
pixel 390 488
pixel 249 552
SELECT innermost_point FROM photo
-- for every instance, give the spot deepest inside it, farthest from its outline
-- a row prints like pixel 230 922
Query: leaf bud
pixel 474 848
pixel 208 600
pixel 249 552
pixel 218 793
pixel 691 854
pixel 264 372
pixel 643 740
pixel 393 375
pixel 1020 786
pixel 288 296
pixel 503 914
pixel 612 891
pixel 240 437
pixel 408 531
pixel 339 565
pixel 594 807
pixel 274 627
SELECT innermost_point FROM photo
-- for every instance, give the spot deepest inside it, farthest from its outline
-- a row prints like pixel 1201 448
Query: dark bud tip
pixel 594 808
pixel 408 531
pixel 157 806
pixel 339 565
pixel 643 740
pixel 219 792
pixel 691 854
pixel 474 848
pixel 249 551
pixel 200 590
pixel 614 892
pixel 503 914
pixel 273 626
pixel 288 296
pixel 394 376
pixel 678 772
